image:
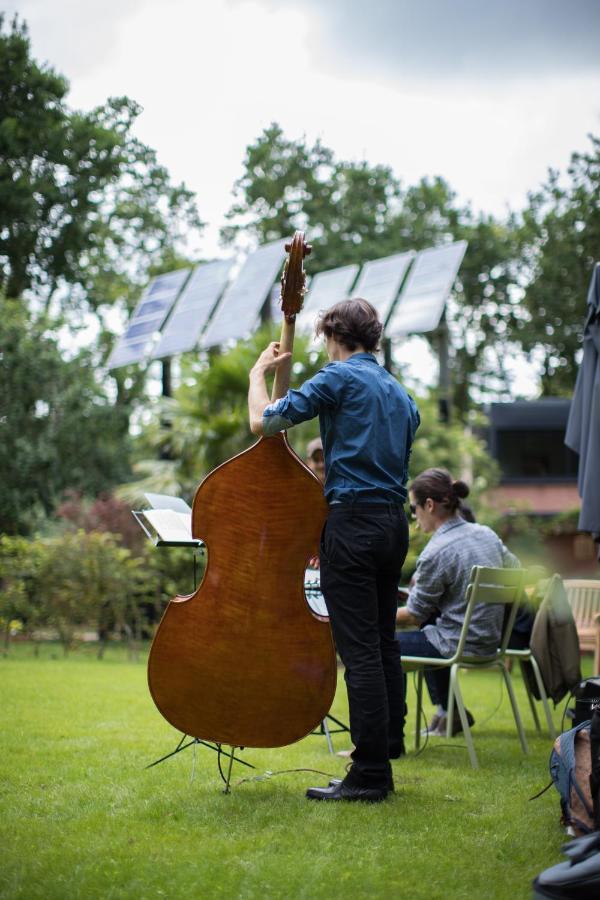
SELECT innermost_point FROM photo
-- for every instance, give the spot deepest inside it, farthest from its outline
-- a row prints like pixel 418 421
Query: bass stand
pixel 327 731
pixel 168 524
pixel 218 748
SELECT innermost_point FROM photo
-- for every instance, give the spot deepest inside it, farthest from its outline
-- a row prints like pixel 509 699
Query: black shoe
pixel 341 791
pixel 457 724
pixel 397 750
pixel 333 782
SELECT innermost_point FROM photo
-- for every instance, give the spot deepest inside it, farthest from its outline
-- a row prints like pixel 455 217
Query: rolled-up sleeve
pixel 429 587
pixel 323 391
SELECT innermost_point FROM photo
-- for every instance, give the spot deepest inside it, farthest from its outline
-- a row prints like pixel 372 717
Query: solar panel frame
pixel 193 308
pixel 326 288
pixel 380 280
pixel 426 289
pixel 161 292
pixel 238 310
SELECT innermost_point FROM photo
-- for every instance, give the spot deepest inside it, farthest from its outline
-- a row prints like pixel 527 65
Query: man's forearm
pixel 258 400
pixel 404 618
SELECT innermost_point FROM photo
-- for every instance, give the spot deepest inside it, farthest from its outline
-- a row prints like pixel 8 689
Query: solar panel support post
pixel 442 343
pixel 386 346
pixel 167 387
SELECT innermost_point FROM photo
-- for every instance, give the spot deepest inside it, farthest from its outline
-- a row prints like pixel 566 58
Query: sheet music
pixel 312 592
pixel 166 501
pixel 170 526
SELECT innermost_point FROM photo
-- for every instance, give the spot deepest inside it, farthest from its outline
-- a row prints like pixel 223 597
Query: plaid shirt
pixel 440 587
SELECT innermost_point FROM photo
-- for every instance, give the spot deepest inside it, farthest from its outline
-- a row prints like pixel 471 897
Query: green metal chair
pixel 494 586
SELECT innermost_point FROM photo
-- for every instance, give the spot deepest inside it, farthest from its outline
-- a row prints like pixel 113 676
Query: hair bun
pixel 460 489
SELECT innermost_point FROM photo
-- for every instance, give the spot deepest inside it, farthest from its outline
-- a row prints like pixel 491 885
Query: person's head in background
pixel 435 497
pixel 315 459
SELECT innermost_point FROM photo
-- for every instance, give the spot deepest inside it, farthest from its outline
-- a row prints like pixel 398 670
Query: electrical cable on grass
pixel 268 774
pixel 221 773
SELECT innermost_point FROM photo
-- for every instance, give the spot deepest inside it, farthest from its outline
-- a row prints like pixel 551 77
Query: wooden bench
pixel 584 598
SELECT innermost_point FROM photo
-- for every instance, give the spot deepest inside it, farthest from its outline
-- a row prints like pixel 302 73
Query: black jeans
pixel 363 547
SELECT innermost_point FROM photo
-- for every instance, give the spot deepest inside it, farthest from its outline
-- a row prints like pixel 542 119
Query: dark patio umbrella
pixel 583 427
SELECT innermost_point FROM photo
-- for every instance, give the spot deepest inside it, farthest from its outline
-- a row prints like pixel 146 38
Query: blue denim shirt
pixel 367 423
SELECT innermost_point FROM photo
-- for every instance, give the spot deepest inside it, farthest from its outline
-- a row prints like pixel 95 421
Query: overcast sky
pixel 487 94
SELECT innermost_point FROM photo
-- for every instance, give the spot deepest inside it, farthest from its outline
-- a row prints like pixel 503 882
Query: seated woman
pixel 437 597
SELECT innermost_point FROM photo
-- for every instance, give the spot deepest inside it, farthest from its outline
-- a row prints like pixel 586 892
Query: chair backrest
pixel 584 598
pixel 494 586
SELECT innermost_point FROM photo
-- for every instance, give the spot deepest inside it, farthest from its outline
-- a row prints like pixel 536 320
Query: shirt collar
pixel 363 355
pixel 454 522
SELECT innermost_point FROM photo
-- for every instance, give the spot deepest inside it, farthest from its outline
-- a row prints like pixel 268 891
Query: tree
pixel 460 450
pixel 355 212
pixel 87 216
pixel 83 203
pixel 561 228
pixel 288 184
pixel 59 430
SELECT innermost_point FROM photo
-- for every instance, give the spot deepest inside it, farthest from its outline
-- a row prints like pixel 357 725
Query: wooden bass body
pixel 243 660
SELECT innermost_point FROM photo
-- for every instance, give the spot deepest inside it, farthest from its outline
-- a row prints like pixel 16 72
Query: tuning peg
pixel 287 247
pixel 307 249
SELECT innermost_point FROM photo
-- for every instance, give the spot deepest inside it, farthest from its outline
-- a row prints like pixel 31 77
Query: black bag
pixel 587 699
pixel 576 879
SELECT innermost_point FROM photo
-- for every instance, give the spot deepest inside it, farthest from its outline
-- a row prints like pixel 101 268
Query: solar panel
pixel 421 303
pixel 326 288
pixel 150 313
pixel 238 312
pixel 192 310
pixel 380 281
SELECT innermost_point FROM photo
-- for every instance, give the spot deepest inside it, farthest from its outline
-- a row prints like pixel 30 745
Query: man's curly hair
pixel 352 323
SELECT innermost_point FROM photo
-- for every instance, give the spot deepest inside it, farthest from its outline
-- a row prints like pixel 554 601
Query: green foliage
pixel 206 423
pixel 79 580
pixel 82 202
pixel 454 447
pixel 58 428
pixel 355 212
pixel 17 564
pixel 561 228
pixel 87 215
pixel 85 580
pixel 457 448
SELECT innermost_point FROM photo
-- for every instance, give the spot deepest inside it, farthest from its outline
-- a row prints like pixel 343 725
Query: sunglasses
pixel 412 508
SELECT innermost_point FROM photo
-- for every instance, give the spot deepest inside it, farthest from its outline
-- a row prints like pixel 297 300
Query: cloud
pixel 454 39
pixel 75 37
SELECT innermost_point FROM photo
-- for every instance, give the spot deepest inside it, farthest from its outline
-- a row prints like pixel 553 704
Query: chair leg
pixel 515 708
pixel 450 706
pixel 544 697
pixel 534 714
pixel 419 707
pixel 325 727
pixel 456 693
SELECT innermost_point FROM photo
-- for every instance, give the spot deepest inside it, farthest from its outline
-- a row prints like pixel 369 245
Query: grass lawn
pixel 81 817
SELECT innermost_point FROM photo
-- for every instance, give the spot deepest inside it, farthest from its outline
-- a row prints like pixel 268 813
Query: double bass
pixel 243 660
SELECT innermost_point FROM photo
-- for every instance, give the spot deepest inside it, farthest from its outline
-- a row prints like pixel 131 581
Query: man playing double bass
pixel 367 423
